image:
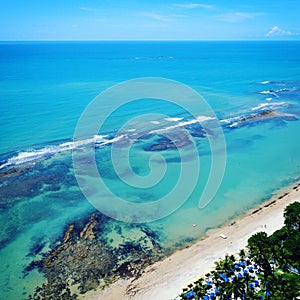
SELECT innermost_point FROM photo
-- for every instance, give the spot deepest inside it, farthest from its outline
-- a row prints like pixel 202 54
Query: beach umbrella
pixel 190 295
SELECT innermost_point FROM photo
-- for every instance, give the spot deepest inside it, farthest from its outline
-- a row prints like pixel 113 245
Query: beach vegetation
pixel 269 267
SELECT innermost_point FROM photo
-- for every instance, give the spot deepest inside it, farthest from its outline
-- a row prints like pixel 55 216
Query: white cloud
pixel 237 16
pixel 276 31
pixel 194 5
pixel 156 16
pixel 84 8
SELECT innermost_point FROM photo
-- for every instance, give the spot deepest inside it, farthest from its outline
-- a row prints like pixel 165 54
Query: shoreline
pixel 166 278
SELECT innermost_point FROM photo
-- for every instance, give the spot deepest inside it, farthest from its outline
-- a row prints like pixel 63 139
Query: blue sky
pixel 149 20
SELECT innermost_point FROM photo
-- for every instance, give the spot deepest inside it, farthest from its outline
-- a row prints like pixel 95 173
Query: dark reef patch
pixel 173 141
pixel 84 259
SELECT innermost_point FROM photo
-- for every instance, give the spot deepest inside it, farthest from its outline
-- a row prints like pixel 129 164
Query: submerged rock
pixel 173 141
pixel 84 258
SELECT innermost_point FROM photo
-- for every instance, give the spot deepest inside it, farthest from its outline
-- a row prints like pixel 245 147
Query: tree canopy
pixel 268 269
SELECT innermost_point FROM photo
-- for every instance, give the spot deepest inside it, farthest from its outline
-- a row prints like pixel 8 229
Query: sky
pixel 150 20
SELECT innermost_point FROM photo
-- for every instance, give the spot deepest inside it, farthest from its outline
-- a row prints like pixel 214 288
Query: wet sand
pixel 164 279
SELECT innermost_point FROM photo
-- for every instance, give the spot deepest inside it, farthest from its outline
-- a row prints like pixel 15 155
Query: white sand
pixel 164 279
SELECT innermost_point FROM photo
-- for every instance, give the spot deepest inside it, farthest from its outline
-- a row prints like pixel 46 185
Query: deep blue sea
pixel 253 88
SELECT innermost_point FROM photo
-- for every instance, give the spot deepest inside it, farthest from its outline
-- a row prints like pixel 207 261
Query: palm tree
pixel 260 248
pixel 238 287
pixel 242 254
pixel 225 290
pixel 215 275
pixel 199 288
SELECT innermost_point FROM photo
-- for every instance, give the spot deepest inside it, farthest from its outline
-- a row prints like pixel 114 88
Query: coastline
pixel 166 278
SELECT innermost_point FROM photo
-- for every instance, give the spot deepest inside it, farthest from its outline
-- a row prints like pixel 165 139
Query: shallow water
pixel 253 88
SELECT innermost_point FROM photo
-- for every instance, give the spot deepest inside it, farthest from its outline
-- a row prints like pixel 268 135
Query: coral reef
pixel 85 259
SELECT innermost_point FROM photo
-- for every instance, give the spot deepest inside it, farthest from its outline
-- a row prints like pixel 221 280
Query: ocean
pixel 251 92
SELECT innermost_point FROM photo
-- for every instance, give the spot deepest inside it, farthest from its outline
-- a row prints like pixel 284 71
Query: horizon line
pixel 153 40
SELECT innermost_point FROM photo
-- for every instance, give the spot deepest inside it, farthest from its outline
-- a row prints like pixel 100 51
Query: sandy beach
pixel 165 279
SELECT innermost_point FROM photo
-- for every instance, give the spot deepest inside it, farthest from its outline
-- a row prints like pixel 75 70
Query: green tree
pixel 225 265
pixel 280 253
pixel 199 288
pixel 286 241
pixel 260 249
pixel 242 254
pixel 238 287
pixel 292 216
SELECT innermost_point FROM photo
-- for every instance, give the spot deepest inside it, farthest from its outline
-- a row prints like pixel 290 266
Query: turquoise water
pixel 253 88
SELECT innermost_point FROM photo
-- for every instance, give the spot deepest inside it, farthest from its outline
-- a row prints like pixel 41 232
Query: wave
pixel 280 89
pixel 267 92
pixel 259 112
pixel 32 156
pixel 263 105
pixel 199 119
pixel 113 140
pixel 173 119
pixel 265 82
pixel 277 82
pixel 155 122
pixel 204 118
pixel 276 91
pixel 230 120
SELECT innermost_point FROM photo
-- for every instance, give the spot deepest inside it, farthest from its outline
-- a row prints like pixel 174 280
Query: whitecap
pixel 230 120
pixel 204 118
pixel 260 106
pixel 29 157
pixel 277 104
pixel 178 125
pixel 267 92
pixel 235 124
pixel 173 119
pixel 33 156
pixel 113 140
